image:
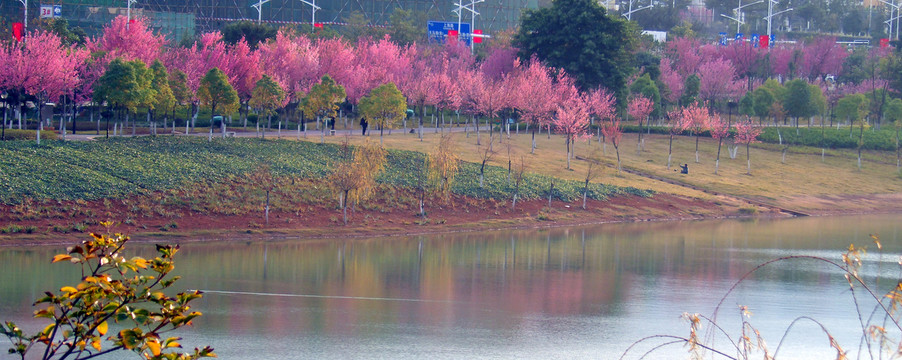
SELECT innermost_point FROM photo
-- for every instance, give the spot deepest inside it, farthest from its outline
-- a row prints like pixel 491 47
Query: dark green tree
pixel 763 100
pixel 747 105
pixel 163 100
pixel 580 37
pixel 407 26
pixel 798 100
pixel 690 90
pixel 267 97
pixel 252 32
pixel 216 92
pixel 646 87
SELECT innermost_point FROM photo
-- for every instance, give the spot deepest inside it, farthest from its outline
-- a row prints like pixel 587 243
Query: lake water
pixel 561 293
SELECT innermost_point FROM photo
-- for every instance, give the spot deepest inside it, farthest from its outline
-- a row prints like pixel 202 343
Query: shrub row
pixel 831 138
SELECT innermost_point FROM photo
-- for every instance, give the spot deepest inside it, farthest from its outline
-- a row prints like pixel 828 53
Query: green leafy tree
pixel 747 105
pixel 647 88
pixel 854 107
pixel 216 92
pixel 763 100
pixel 69 36
pixel 267 96
pixel 164 99
pixel 894 116
pixel 124 86
pixel 384 105
pixel 323 100
pixel 580 37
pixel 178 83
pixel 407 26
pixel 129 292
pixel 798 100
pixel 690 93
pixel 252 32
pixel 359 27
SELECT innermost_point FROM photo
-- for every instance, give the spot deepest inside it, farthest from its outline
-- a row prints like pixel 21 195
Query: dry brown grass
pixel 803 182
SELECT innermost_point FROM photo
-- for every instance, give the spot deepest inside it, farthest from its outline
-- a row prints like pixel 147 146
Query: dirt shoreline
pixel 460 215
pixel 457 216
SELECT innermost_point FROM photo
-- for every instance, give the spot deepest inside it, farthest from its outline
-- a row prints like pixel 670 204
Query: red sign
pixel 452 35
pixel 884 43
pixel 318 25
pixel 476 38
pixel 763 41
pixel 18 31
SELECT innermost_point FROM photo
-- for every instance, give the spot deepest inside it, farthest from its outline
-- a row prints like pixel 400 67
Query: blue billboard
pixel 437 31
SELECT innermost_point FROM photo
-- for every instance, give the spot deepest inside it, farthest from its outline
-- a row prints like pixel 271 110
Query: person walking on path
pixel 363 125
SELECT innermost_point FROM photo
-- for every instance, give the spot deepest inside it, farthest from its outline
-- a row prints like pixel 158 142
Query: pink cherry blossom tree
pixel 51 67
pixel 682 120
pixel 719 129
pixel 639 108
pixel 821 57
pixel 243 71
pixel 534 96
pixel 685 55
pixel 602 105
pixel 747 133
pixel 128 41
pixel 572 120
pixel 717 81
pixel 672 81
pixel 612 130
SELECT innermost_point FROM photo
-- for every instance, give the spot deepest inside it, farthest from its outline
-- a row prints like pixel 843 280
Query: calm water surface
pixel 585 292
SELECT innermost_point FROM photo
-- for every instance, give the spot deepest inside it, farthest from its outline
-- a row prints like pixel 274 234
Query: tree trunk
pixel 696 147
pixel 533 150
pixel 748 159
pixel 670 151
pixel 717 161
pixel 568 152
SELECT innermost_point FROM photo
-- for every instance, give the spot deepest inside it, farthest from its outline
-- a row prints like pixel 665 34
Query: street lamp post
pixel 738 12
pixel 259 7
pixel 770 16
pixel 313 12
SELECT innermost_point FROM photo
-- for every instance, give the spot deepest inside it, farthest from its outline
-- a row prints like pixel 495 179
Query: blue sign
pixel 723 38
pixel 437 31
pixel 57 10
pixel 739 36
pixel 755 40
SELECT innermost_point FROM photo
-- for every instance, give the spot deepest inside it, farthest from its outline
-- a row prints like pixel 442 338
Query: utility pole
pixel 313 12
pixel 471 7
pixel 629 13
pixel 894 9
pixel 259 7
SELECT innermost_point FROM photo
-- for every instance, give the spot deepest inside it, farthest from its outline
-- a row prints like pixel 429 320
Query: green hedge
pixel 116 167
pixel 16 134
pixel 831 138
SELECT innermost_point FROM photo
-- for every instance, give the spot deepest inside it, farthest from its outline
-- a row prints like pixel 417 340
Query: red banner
pixel 884 43
pixel 763 41
pixel 18 31
pixel 452 35
pixel 318 25
pixel 476 38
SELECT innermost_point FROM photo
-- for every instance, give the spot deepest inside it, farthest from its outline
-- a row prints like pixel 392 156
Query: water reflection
pixel 552 293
